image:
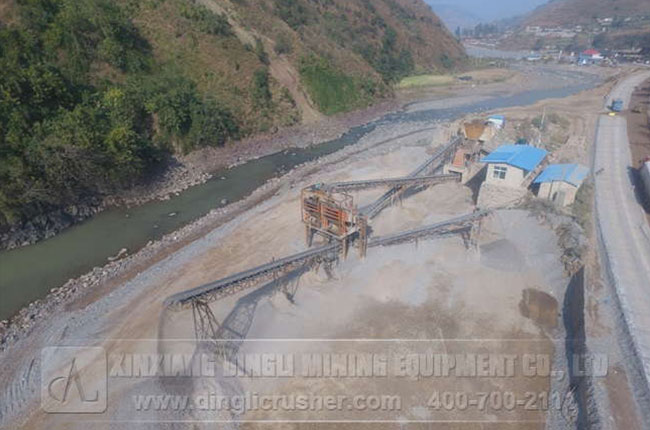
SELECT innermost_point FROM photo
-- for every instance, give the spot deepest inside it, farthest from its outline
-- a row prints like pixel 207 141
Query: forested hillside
pixel 581 12
pixel 605 24
pixel 96 93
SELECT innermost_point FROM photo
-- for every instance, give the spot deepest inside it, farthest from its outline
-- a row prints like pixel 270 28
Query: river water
pixel 28 273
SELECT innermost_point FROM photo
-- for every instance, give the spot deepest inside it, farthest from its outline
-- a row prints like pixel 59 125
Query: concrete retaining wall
pixel 645 177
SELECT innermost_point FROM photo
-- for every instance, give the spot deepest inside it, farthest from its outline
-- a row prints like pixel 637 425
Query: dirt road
pixel 622 223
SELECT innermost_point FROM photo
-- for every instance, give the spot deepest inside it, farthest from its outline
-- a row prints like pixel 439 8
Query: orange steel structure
pixel 333 215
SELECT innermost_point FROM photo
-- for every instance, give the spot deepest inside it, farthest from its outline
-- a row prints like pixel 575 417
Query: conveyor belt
pixel 452 226
pixel 328 253
pixel 434 163
pixel 436 157
pixel 394 182
pixel 217 289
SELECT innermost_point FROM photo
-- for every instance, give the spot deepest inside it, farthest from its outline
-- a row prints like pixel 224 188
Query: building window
pixel 500 172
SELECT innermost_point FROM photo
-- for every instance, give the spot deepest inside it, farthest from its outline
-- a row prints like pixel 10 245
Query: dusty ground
pixel 465 301
pixel 509 289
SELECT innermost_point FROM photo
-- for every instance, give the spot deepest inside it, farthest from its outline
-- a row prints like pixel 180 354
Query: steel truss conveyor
pixel 428 168
pixel 312 258
pixel 392 182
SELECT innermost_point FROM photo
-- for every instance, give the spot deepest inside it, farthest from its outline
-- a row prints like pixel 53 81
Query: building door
pixel 559 197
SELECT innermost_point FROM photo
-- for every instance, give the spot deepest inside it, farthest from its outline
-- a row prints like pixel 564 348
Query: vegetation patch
pixel 583 204
pixel 332 90
pixel 261 89
pixel 426 81
pixel 293 12
pixel 66 132
pixel 206 20
pixel 389 60
pixel 96 94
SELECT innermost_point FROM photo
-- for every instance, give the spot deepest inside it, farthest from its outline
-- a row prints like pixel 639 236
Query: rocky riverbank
pixel 47 225
pixel 101 280
pixel 185 171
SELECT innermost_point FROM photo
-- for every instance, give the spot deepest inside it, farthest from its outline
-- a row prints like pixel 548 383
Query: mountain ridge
pixel 573 12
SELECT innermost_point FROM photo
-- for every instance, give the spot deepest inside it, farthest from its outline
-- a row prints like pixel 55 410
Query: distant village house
pixel 590 56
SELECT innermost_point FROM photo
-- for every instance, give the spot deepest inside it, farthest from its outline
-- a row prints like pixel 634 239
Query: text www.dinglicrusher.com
pixel 272 402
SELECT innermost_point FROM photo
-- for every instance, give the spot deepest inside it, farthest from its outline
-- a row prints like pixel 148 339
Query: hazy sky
pixel 491 10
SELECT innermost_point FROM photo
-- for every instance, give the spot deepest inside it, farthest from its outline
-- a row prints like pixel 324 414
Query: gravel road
pixel 623 229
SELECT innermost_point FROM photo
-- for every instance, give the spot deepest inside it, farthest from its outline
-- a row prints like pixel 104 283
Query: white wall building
pixel 509 165
pixel 559 183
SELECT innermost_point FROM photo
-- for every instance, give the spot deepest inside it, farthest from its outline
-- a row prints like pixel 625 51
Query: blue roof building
pixel 525 157
pixel 510 165
pixel 560 182
pixel 572 174
pixel 497 120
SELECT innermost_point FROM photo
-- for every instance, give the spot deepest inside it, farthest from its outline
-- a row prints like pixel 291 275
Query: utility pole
pixel 541 127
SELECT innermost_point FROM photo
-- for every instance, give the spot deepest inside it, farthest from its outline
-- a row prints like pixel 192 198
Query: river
pixel 28 273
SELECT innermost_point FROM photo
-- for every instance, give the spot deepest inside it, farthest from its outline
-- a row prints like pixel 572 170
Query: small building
pixel 559 183
pixel 499 121
pixel 534 57
pixel 510 165
pixel 590 56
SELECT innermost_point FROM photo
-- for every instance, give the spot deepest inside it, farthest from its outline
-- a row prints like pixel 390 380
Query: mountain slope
pixel 573 12
pixel 373 39
pixel 98 93
pixel 455 16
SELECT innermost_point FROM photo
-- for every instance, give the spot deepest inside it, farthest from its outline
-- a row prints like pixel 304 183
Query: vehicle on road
pixel 617 105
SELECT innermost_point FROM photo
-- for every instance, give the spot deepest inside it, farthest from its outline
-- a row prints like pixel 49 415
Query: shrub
pixel 447 62
pixel 212 124
pixel 294 13
pixel 206 20
pixel 283 44
pixel 260 88
pixel 260 52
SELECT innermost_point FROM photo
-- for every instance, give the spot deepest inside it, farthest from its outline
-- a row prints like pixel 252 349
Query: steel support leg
pixel 363 236
pixel 206 326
